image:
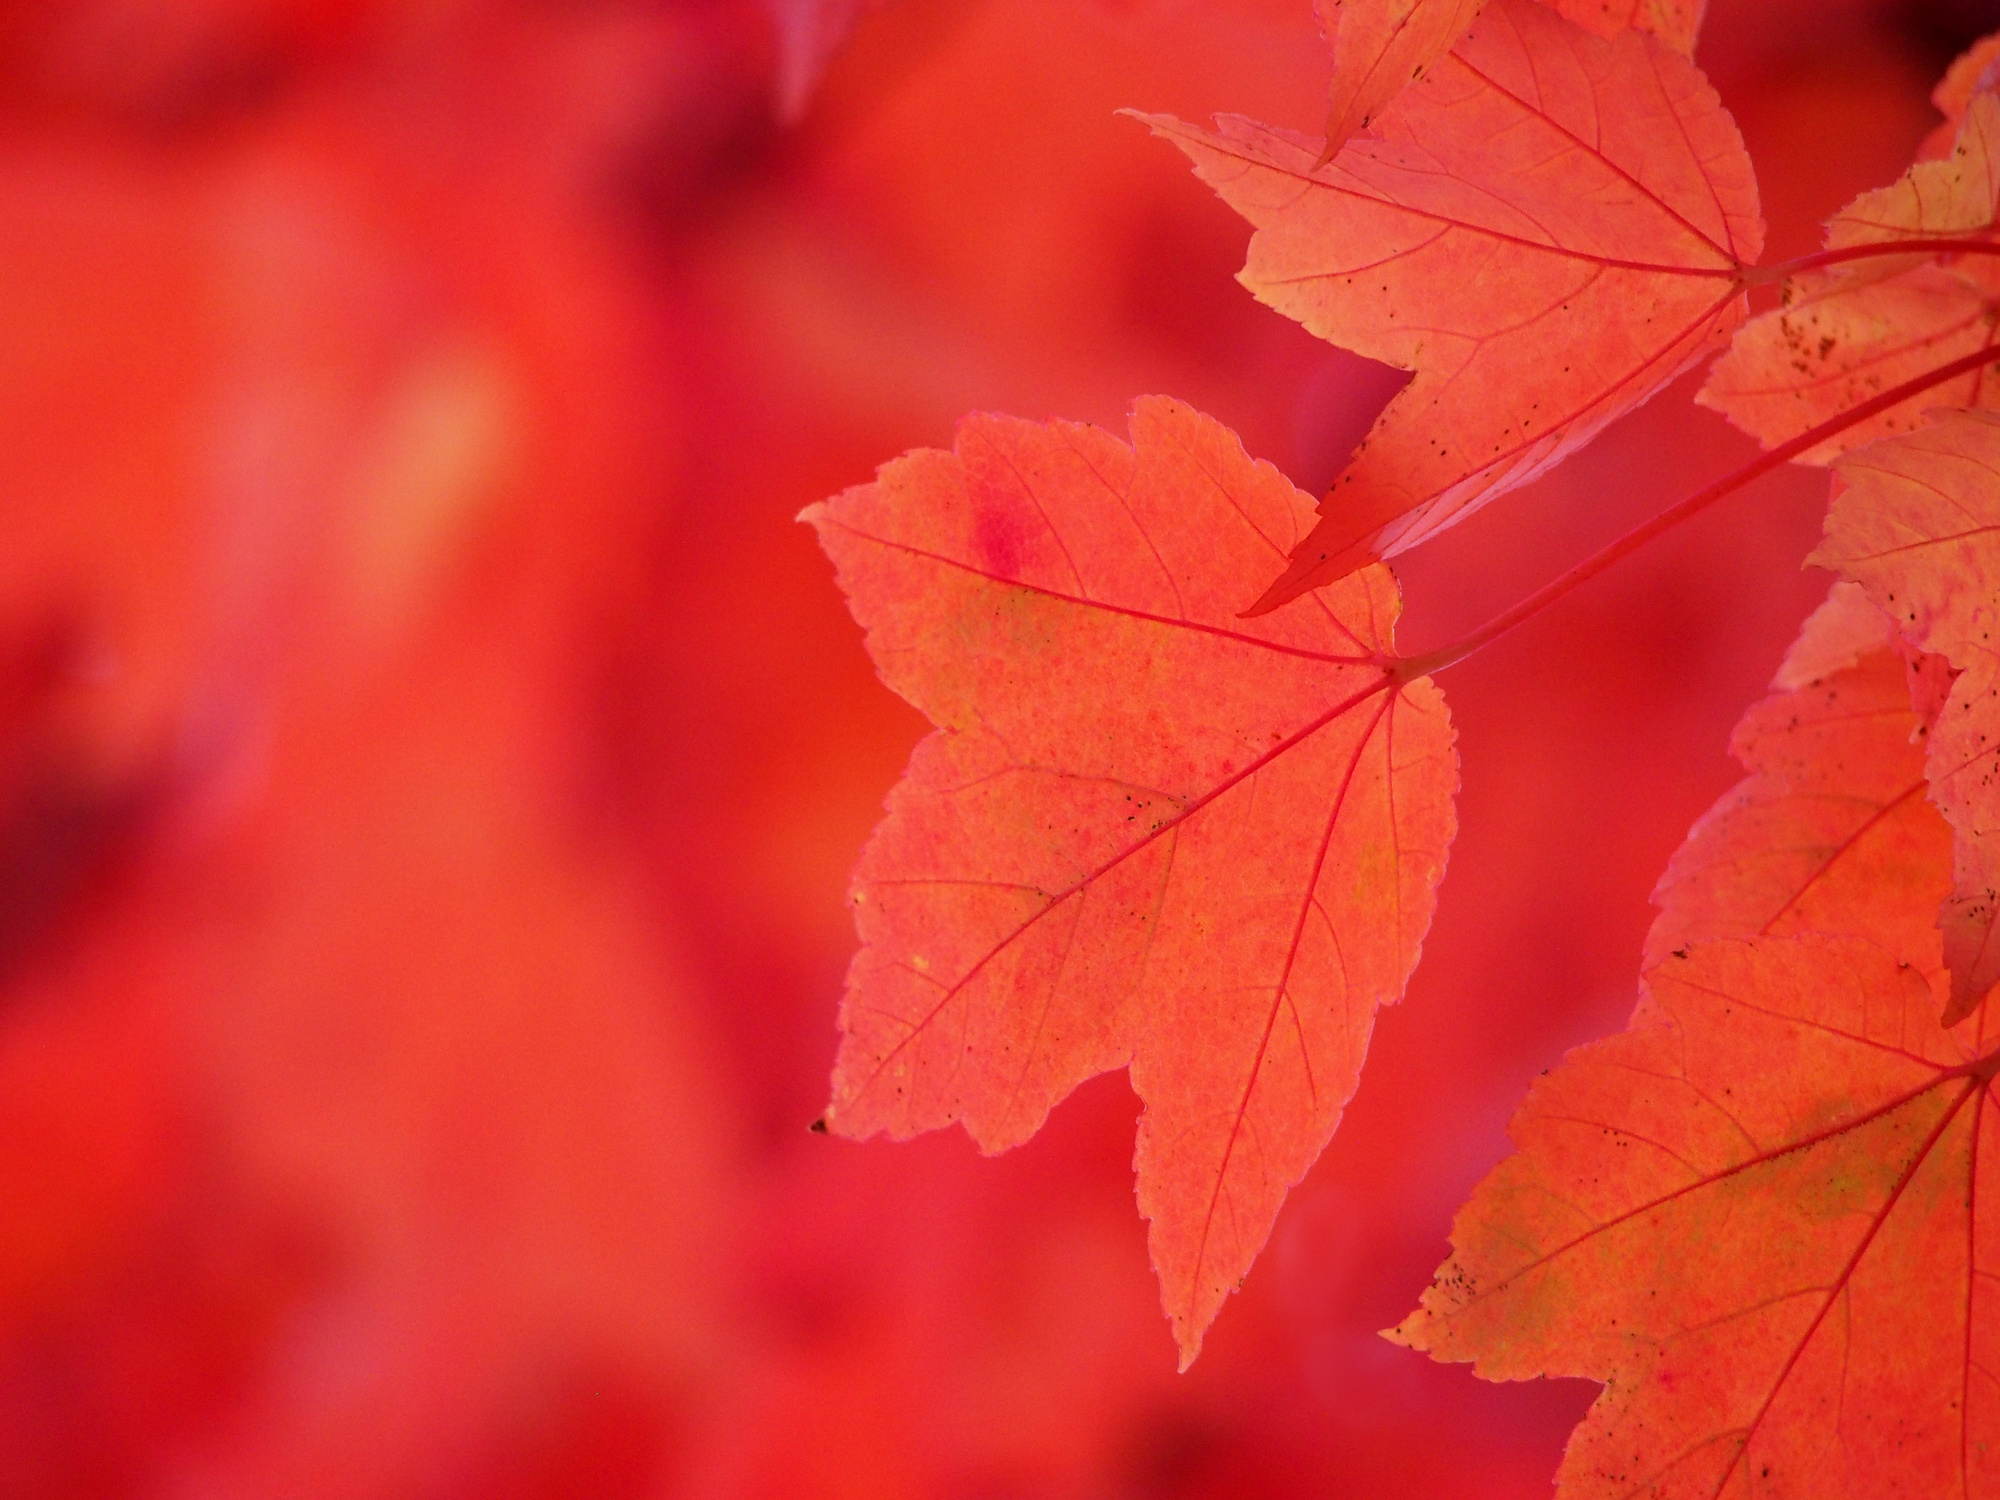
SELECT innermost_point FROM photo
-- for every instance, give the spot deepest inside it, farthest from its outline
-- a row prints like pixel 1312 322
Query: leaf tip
pixel 1272 598
pixel 1301 577
pixel 1966 998
pixel 1187 1341
pixel 1406 1334
pixel 1157 123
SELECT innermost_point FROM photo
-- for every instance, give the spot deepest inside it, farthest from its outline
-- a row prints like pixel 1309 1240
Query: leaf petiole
pixel 1772 274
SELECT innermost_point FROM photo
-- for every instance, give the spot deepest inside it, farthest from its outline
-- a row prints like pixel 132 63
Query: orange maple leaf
pixel 1716 1212
pixel 1380 47
pixel 1851 330
pixel 1146 833
pixel 1751 1217
pixel 1833 812
pixel 1915 525
pixel 1549 227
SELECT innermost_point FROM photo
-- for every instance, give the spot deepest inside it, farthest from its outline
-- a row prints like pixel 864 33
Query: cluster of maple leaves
pixel 1175 824
pixel 430 756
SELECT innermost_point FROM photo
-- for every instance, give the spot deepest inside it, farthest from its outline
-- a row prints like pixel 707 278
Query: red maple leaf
pixel 1751 1217
pixel 1545 230
pixel 1716 1212
pixel 1147 834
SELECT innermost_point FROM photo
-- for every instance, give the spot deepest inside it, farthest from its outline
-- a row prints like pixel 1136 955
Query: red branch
pixel 1412 667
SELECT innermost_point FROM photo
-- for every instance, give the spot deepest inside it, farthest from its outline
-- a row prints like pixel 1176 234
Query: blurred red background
pixel 431 756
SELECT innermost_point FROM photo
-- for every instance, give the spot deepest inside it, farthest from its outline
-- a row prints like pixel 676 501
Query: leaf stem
pixel 1411 667
pixel 1772 274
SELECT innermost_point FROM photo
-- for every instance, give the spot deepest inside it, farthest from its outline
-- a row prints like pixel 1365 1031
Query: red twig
pixel 1771 274
pixel 1435 661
